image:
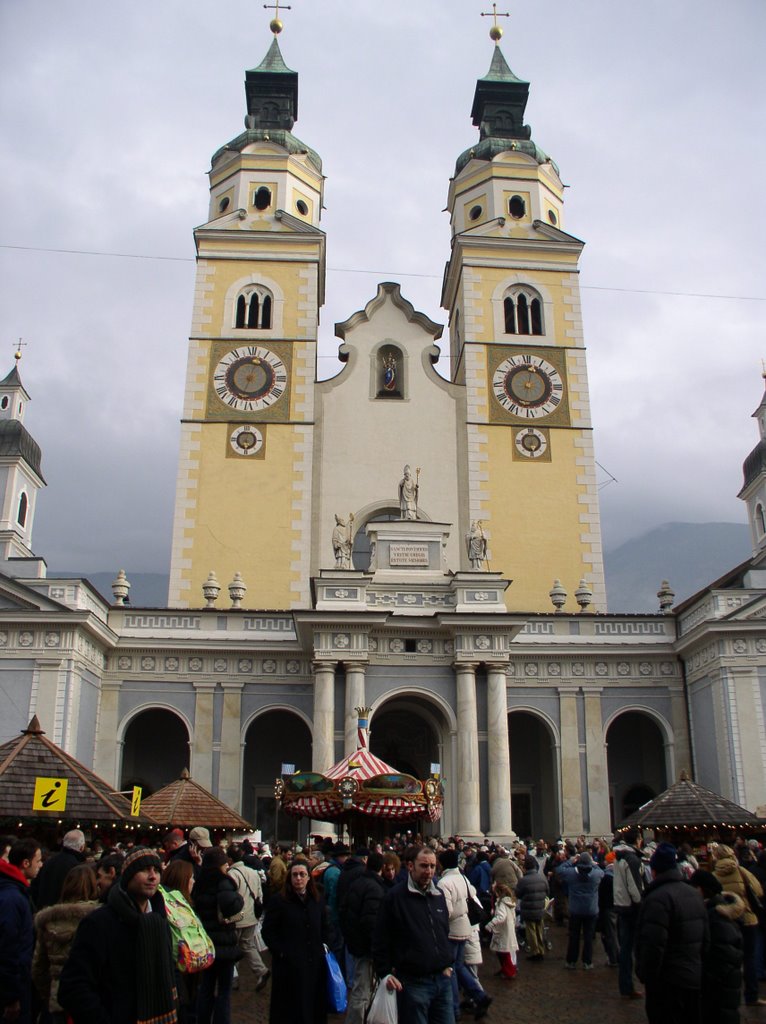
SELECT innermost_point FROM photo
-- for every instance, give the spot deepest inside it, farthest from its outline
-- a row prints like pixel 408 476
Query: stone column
pixel 498 756
pixel 48 672
pixel 354 699
pixel 467 753
pixel 105 760
pixel 230 763
pixel 571 789
pixel 598 776
pixel 323 748
pixel 201 768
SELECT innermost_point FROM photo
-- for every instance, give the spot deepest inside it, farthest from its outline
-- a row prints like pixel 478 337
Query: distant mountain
pixel 689 555
pixel 147 589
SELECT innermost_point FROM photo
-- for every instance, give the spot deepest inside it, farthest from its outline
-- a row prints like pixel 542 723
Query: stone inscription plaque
pixel 408 554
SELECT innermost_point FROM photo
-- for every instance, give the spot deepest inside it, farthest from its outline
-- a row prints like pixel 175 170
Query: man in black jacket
pixel 358 914
pixel 671 939
pixel 46 889
pixel 411 945
pixel 120 969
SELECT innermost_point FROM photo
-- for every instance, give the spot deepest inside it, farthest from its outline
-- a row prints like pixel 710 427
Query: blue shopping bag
pixel 337 999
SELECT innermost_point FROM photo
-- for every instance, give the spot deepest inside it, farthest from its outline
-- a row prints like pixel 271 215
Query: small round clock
pixel 250 378
pixel 527 386
pixel 246 440
pixel 530 443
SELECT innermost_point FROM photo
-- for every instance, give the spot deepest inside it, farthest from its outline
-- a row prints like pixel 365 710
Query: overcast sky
pixel 110 112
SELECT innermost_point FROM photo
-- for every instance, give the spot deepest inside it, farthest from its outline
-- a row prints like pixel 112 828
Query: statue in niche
pixel 390 382
pixel 476 545
pixel 408 494
pixel 342 543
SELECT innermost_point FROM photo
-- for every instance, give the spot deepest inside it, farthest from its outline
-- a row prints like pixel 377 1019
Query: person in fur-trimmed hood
pixel 736 879
pixel 722 964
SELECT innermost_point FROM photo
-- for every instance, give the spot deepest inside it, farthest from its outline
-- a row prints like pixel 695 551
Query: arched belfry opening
pixel 534 777
pixel 272 739
pixel 636 763
pixel 155 750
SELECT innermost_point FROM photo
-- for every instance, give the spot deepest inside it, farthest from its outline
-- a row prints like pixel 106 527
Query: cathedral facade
pixel 388 538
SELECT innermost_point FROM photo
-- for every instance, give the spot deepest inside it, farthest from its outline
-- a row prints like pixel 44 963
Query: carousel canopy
pixel 361 783
pixel 688 805
pixel 40 781
pixel 184 803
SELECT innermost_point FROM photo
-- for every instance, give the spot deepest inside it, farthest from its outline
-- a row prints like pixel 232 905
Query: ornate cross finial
pixel 17 349
pixel 495 33
pixel 276 23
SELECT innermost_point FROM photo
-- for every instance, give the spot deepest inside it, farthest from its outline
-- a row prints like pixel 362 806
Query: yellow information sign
pixel 50 794
pixel 135 803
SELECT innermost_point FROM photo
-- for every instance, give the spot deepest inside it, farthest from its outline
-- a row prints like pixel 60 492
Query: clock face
pixel 527 386
pixel 250 378
pixel 531 443
pixel 246 440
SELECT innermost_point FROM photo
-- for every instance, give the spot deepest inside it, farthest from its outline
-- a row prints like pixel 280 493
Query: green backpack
pixel 193 949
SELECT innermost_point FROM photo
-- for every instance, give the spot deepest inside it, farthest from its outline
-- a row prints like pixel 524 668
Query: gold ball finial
pixel 495 33
pixel 17 354
pixel 276 26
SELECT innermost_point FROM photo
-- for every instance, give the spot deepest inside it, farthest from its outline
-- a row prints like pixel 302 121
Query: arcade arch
pixel 155 750
pixel 411 732
pixel 273 738
pixel 637 761
pixel 534 776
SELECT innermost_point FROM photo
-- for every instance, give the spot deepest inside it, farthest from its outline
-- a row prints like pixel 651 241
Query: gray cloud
pixel 109 115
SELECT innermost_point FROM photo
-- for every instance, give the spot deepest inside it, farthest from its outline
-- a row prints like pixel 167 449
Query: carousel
pixel 360 789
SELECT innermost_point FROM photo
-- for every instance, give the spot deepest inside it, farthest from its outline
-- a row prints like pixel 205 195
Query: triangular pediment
pixel 17 596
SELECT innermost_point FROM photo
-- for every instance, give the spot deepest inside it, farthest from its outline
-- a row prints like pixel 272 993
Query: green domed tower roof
pixel 498 110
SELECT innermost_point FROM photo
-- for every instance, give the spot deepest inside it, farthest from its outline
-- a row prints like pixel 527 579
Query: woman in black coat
pixel 722 963
pixel 218 906
pixel 295 930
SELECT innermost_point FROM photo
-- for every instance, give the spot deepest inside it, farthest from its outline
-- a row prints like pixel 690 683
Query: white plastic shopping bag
pixel 383 1006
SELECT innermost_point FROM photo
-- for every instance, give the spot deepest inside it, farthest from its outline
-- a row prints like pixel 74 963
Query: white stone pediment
pixel 15 596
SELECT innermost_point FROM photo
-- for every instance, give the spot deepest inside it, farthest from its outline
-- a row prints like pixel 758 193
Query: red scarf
pixel 11 871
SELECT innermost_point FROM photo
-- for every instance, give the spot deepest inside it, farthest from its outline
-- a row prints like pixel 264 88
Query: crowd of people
pixel 158 935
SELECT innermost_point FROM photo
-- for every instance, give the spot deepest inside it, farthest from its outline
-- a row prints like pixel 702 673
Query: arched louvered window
pixel 21 515
pixel 254 309
pixel 760 519
pixel 523 312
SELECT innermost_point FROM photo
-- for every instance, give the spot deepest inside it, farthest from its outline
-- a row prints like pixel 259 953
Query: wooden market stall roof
pixel 88 798
pixel 185 804
pixel 688 805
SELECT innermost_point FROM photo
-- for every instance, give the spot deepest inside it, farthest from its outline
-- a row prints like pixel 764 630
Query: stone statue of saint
pixel 476 544
pixel 408 494
pixel 341 541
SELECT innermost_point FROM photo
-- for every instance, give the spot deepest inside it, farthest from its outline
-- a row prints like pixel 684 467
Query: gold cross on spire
pixel 495 33
pixel 17 349
pixel 276 23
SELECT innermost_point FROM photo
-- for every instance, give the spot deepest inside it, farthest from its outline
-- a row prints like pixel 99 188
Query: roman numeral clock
pixel 249 382
pixel 528 388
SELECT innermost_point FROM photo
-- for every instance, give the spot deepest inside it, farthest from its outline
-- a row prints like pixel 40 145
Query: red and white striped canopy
pixel 359 765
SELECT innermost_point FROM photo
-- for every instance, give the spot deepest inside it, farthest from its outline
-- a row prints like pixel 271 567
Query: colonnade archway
pixel 636 762
pixel 155 750
pixel 534 777
pixel 411 734
pixel 272 739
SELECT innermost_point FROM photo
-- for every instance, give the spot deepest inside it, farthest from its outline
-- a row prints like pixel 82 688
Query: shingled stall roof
pixel 89 800
pixel 688 807
pixel 186 804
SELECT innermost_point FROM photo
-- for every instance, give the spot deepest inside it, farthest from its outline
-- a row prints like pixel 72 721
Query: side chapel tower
pixel 245 470
pixel 512 292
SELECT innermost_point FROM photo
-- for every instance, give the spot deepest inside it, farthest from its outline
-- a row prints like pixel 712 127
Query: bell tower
pixel 512 291
pixel 21 478
pixel 243 496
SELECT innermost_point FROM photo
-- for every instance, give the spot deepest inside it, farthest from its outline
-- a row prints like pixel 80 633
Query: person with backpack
pixel 249 887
